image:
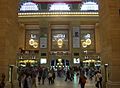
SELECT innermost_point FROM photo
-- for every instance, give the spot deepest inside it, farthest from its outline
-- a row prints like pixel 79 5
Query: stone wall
pixel 8 34
pixel 110 35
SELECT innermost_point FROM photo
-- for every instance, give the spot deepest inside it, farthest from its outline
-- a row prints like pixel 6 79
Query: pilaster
pixel 110 35
pixel 97 38
pixel 8 35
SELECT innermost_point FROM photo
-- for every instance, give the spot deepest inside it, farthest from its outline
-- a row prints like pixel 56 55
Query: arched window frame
pixel 59 7
pixel 31 6
pixel 89 6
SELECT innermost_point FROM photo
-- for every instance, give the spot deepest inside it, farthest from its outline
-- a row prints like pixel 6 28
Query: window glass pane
pixel 89 6
pixel 59 6
pixel 29 6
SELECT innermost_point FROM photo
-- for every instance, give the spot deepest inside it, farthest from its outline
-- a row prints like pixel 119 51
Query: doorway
pixel 59 63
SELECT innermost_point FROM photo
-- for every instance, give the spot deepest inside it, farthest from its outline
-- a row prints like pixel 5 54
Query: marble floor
pixel 60 83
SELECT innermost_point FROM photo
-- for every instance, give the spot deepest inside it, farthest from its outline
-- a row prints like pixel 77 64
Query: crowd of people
pixel 27 75
pixel 90 74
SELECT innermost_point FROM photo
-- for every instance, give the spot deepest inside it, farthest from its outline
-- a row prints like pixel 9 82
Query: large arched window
pixel 59 6
pixel 29 6
pixel 89 6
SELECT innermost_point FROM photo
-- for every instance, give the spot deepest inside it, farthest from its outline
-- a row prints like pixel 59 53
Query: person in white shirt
pixel 98 79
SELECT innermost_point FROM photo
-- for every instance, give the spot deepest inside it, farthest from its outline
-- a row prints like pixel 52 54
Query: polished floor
pixel 60 83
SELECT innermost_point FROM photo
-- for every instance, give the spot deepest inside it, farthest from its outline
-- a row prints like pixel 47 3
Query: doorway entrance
pixel 60 63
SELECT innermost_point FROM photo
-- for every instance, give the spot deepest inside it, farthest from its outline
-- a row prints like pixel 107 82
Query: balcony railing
pixel 56 14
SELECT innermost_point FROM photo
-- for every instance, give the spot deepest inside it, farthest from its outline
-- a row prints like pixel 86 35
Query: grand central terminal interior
pixel 60 34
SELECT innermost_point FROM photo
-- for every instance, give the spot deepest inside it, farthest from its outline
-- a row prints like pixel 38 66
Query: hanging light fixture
pixel 84 44
pixel 60 43
pixel 35 45
pixel 31 42
pixel 88 41
pixel 59 60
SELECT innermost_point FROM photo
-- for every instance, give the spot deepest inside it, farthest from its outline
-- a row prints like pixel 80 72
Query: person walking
pixel 53 76
pixel 44 75
pixel 68 75
pixel 39 75
pixel 50 77
pixel 82 80
pixel 98 79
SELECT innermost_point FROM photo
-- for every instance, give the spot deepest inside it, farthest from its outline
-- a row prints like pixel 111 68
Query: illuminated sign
pixel 76 60
pixel 57 1
pixel 43 60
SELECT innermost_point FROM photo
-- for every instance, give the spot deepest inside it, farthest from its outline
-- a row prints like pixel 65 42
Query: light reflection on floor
pixel 61 83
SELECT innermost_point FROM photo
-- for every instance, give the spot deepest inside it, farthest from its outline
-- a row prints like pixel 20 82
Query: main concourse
pixel 60 34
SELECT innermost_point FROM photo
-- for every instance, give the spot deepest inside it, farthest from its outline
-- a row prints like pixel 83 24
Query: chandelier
pixel 87 41
pixel 33 43
pixel 60 43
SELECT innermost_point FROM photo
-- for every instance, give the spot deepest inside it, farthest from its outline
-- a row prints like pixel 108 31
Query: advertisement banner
pixel 76 37
pixel 43 42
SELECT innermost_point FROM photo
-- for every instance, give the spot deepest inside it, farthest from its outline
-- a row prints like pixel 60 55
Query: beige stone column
pixel 74 50
pixel 8 34
pixel 97 38
pixel 110 35
pixel 21 36
pixel 45 29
